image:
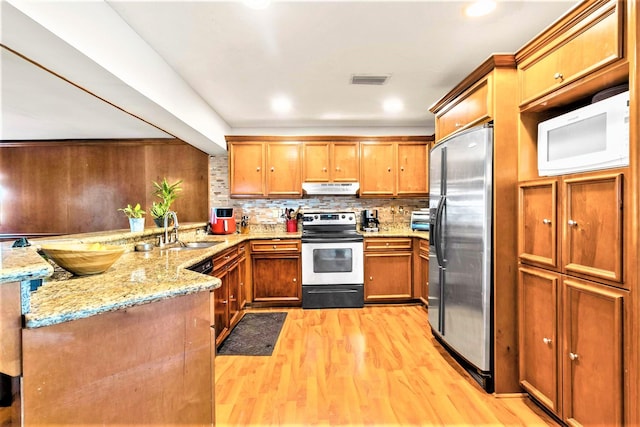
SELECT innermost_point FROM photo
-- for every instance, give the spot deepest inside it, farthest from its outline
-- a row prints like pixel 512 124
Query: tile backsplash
pixel 392 213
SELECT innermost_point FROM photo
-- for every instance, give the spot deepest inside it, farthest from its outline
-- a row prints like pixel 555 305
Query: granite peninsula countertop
pixel 136 278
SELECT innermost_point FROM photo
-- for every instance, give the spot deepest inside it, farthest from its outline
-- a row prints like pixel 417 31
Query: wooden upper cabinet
pixel 330 161
pixel 587 41
pixel 538 224
pixel 593 226
pixel 394 168
pixel 377 168
pixel 471 108
pixel 284 172
pixel 246 169
pixel 412 171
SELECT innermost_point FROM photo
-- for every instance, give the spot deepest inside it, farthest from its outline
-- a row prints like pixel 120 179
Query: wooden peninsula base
pixel 151 364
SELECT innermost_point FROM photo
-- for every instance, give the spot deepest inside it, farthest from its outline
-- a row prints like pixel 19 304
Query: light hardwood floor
pixel 374 366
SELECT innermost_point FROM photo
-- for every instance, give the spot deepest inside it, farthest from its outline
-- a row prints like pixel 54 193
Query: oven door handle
pixel 333 239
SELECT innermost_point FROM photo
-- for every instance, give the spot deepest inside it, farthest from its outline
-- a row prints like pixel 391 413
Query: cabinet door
pixel 537 242
pixel 242 276
pixel 316 165
pixel 412 169
pixel 221 306
pixel 424 276
pixel 377 168
pixel 593 226
pixel 276 279
pixel 538 332
pixel 284 172
pixel 233 279
pixel 246 169
pixel 469 109
pixel 589 45
pixel 592 354
pixel 387 276
pixel 344 162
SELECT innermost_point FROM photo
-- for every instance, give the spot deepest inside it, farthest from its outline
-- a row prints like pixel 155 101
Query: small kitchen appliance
pixel 222 221
pixel 369 220
pixel 420 220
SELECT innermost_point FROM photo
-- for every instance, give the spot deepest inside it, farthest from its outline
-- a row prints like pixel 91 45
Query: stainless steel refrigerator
pixel 460 266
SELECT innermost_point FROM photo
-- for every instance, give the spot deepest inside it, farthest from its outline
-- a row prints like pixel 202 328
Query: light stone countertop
pixel 136 278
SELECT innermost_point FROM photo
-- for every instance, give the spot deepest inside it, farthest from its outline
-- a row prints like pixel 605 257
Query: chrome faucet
pixel 174 237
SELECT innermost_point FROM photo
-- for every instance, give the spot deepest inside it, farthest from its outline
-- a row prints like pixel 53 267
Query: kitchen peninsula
pixel 131 345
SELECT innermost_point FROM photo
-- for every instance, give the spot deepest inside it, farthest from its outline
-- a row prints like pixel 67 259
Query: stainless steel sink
pixel 200 245
pixel 194 245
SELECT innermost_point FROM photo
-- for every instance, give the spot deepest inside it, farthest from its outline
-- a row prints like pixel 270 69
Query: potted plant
pixel 136 217
pixel 167 193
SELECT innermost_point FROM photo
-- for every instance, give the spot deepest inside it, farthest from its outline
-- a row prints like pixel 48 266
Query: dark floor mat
pixel 255 335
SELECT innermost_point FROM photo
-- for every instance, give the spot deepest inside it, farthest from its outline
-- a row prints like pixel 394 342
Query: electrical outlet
pixel 400 209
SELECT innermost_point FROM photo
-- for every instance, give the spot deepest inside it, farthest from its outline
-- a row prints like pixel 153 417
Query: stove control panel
pixel 329 218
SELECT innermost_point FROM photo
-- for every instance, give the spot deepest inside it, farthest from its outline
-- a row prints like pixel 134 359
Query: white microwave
pixel 589 138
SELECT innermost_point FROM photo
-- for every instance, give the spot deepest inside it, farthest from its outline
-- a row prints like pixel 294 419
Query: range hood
pixel 331 188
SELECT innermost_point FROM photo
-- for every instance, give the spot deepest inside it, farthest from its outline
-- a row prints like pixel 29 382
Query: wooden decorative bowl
pixel 83 259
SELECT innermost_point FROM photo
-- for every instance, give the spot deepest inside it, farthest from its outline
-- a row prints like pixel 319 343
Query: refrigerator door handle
pixel 438 230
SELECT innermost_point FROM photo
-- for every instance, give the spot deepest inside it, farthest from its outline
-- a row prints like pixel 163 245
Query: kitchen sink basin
pixel 194 245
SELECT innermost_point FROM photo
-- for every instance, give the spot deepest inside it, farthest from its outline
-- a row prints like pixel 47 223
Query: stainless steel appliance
pixel 369 220
pixel 420 220
pixel 332 261
pixel 460 267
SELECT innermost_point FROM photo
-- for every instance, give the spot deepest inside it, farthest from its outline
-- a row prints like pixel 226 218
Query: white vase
pixel 136 224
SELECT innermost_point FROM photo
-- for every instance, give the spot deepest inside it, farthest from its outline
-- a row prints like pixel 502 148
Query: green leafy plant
pixel 166 192
pixel 133 212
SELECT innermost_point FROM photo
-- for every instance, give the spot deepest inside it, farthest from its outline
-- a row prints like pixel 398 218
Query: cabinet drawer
pixel 276 245
pixel 469 109
pixel 387 243
pixel 224 258
pixel 594 42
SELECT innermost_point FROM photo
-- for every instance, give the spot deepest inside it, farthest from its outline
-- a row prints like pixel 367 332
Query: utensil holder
pixel 292 226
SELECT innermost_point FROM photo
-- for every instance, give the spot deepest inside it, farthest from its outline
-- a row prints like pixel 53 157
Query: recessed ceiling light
pixel 257 4
pixel 480 8
pixel 393 105
pixel 281 104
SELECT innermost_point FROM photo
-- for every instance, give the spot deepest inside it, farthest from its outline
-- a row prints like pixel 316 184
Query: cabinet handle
pixel 295 280
pixel 558 76
pixel 402 169
pixel 572 222
pixel 388 169
pixel 370 278
pixel 275 246
pixel 258 169
pixel 547 341
pixel 546 221
pixel 573 356
pixel 324 169
pixel 272 169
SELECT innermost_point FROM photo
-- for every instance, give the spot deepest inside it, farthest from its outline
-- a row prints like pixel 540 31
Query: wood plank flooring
pixel 373 366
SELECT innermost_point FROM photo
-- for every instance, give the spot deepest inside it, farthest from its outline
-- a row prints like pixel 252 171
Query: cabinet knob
pixel 547 341
pixel 324 169
pixel 224 301
pixel 295 280
pixel 402 169
pixel 458 125
pixel 370 278
pixel 258 169
pixel 572 223
pixel 388 169
pixel 338 168
pixel 546 221
pixel 558 76
pixel 273 169
pixel 573 356
pixel 231 297
pixel 275 246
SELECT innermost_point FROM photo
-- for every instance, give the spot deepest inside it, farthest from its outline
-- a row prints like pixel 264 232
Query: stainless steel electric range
pixel 332 261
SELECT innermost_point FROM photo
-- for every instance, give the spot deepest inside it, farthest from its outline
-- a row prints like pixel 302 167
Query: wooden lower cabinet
pixel 571 346
pixel 229 266
pixel 423 275
pixel 276 272
pixel 151 364
pixel 387 269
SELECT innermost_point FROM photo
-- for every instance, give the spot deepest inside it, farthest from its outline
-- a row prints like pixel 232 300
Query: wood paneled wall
pixel 64 187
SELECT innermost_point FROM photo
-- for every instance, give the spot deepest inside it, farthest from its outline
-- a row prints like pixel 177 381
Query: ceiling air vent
pixel 369 79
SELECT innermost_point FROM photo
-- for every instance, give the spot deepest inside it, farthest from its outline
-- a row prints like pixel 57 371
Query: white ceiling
pixel 202 69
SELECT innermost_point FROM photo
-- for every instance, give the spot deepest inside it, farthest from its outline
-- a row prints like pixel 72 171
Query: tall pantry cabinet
pixel 578 233
pixel 486 95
